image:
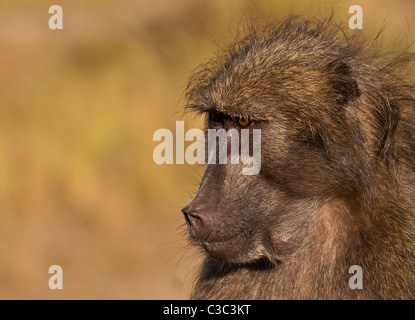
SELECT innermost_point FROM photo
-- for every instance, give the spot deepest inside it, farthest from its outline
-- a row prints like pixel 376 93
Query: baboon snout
pixel 198 216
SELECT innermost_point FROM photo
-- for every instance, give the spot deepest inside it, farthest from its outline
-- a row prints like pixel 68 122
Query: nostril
pixel 186 217
pixel 191 217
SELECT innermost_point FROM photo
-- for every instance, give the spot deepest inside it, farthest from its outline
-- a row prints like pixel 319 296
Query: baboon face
pixel 240 218
pixel 304 113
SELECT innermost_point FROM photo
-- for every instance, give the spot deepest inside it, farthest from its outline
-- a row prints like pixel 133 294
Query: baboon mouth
pixel 232 251
pixel 224 244
pixel 230 241
pixel 218 241
pixel 213 243
pixel 218 249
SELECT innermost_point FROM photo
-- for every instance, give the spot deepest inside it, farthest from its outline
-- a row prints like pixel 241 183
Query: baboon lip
pixel 232 239
pixel 230 251
pixel 202 238
pixel 215 247
pixel 219 242
pixel 207 243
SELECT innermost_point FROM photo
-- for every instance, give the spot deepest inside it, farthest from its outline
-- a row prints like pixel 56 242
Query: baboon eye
pixel 244 122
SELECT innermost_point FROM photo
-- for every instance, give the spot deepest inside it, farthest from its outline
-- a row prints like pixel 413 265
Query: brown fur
pixel 337 182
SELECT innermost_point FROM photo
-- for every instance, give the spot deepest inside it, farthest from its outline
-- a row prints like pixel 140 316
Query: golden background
pixel 78 109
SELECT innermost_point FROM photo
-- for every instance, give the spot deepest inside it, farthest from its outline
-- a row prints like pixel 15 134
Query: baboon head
pixel 325 121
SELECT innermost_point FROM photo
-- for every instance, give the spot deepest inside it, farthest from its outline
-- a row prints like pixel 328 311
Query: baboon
pixel 336 186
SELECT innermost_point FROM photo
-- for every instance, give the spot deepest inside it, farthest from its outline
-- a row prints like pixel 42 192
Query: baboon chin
pixel 337 179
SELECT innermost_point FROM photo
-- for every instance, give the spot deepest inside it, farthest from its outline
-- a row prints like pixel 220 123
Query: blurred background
pixel 78 109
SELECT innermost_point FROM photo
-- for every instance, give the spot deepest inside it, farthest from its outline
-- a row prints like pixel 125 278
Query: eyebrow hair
pixel 232 112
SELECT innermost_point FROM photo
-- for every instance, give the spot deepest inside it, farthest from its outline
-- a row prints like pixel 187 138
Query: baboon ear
pixel 343 81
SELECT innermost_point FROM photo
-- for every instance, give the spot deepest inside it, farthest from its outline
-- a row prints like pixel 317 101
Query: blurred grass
pixel 78 109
